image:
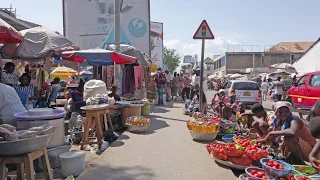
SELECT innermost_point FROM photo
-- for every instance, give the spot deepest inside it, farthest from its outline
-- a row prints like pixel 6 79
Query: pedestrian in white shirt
pixel 264 88
pixel 168 87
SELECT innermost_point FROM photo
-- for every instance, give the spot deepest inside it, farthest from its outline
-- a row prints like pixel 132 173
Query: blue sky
pixel 245 22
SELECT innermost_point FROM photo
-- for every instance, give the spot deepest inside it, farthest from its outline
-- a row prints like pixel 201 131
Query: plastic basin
pixel 299 175
pixel 249 169
pixel 228 138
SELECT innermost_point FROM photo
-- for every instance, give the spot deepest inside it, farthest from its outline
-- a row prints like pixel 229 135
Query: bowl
pixel 299 175
pixel 249 169
pixel 306 170
pixel 228 138
pixel 200 136
pixel 273 172
pixel 246 177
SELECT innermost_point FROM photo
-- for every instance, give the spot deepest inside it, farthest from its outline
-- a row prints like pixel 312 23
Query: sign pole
pixel 201 73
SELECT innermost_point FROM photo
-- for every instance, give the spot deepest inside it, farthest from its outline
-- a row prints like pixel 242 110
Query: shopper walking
pixel 161 81
pixel 186 88
pixel 264 88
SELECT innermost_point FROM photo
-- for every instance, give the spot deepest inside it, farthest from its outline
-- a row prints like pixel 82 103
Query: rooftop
pixel 294 47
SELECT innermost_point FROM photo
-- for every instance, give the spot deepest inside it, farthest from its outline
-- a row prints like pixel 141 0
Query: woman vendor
pixel 26 91
pixel 10 105
pixel 114 93
pixel 291 133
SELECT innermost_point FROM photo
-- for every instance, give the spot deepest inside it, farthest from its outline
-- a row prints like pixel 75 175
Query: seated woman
pixel 114 93
pixel 218 101
pixel 26 91
pixel 193 105
pixel 227 113
pixel 291 133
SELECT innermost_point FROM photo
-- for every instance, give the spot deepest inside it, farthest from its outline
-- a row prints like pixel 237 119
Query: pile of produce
pixel 138 121
pixel 203 126
pixel 9 133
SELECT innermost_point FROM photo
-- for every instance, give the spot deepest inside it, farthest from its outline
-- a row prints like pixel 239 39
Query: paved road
pixel 166 152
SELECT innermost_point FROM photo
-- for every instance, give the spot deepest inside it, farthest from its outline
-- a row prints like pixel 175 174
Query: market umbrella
pixel 40 43
pixel 131 51
pixel 63 71
pixel 98 57
pixel 8 34
pixel 283 66
pixel 279 72
pixel 213 77
pixel 235 76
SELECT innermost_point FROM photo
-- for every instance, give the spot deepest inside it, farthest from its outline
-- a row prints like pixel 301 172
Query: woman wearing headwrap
pixel 291 133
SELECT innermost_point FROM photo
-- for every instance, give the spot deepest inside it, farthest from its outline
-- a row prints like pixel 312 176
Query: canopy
pixel 40 43
pixel 279 72
pixel 98 57
pixel 235 76
pixel 131 51
pixel 85 73
pixel 283 66
pixel 8 34
pixel 309 62
pixel 63 71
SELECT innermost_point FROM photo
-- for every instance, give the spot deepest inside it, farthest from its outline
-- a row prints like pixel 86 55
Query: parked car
pixel 306 91
pixel 246 91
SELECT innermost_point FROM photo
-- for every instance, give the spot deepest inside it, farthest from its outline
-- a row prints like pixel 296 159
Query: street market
pixel 110 99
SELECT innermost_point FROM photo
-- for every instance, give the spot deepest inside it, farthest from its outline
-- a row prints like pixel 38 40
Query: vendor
pixel 291 133
pixel 25 88
pixel 314 127
pixel 9 77
pixel 10 105
pixel 114 93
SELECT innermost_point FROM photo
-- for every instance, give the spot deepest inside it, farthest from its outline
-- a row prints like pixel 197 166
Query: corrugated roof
pixel 294 47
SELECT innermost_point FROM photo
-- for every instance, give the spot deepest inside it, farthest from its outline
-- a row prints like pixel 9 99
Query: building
pixel 254 63
pixel 9 16
pixel 210 66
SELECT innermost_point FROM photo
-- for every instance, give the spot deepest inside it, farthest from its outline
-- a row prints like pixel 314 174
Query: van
pixel 306 91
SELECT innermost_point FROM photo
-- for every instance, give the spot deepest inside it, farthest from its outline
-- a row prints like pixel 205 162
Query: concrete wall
pixel 210 69
pixel 235 62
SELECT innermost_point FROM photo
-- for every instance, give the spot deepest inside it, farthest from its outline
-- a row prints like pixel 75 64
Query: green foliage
pixel 172 59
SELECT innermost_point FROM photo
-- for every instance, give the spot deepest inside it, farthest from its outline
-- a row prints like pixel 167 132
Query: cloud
pixel 218 46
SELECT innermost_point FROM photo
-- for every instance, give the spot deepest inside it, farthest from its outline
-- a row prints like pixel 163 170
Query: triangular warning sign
pixel 203 32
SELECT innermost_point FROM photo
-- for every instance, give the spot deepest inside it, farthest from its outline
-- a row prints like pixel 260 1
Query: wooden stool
pixel 25 165
pixel 93 117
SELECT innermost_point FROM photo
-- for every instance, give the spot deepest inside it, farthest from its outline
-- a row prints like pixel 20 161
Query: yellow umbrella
pixel 63 71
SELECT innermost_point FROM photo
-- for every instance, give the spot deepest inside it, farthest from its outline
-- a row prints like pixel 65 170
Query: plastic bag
pixel 10 136
pixel 8 127
pixel 94 87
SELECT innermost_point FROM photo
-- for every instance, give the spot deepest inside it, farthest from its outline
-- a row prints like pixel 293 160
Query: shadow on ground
pixel 116 173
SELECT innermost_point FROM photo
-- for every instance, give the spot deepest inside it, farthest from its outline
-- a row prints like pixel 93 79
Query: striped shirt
pixel 10 78
pixel 26 89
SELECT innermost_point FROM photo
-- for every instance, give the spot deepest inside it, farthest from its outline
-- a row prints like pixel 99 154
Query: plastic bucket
pixel 145 110
pixel 72 163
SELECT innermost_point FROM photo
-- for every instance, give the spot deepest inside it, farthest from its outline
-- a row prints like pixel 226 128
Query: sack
pixel 161 79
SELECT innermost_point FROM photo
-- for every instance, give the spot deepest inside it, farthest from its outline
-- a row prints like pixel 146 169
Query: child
pixel 314 127
pixel 264 120
pixel 43 96
pixel 291 133
pixel 227 113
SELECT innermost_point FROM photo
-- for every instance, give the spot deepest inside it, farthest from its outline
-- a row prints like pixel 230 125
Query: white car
pixel 246 91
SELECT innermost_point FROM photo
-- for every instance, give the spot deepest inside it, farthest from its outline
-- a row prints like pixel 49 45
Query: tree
pixel 172 59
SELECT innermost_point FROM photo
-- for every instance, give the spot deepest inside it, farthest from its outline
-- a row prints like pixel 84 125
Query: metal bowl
pixel 23 146
pixel 199 136
pixel 137 129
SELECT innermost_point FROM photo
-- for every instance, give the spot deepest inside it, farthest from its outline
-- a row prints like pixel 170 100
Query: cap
pixel 280 104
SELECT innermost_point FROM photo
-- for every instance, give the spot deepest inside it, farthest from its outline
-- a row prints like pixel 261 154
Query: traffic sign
pixel 203 32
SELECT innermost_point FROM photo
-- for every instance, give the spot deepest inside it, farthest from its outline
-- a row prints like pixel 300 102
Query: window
pixel 245 86
pixel 302 81
pixel 315 80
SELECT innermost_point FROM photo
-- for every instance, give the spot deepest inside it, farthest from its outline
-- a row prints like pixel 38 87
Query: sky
pixel 233 22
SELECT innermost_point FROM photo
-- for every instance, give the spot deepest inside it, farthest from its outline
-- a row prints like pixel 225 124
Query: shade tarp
pixel 8 34
pixel 131 51
pixel 309 62
pixel 40 43
pixel 98 57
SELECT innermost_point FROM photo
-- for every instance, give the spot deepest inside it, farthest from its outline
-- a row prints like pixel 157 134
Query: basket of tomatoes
pixel 256 173
pixel 232 150
pixel 274 168
pixel 244 160
pixel 255 153
pixel 219 152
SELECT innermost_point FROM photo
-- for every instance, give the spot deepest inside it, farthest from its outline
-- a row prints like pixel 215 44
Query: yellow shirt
pixel 243 120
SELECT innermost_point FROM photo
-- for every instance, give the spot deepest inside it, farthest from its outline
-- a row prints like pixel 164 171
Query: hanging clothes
pixel 138 76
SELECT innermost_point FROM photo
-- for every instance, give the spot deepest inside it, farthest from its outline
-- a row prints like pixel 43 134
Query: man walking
pixel 264 88
pixel 186 88
pixel 161 85
pixel 278 89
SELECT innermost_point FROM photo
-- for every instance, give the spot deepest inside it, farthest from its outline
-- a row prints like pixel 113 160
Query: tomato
pixel 303 178
pixel 258 174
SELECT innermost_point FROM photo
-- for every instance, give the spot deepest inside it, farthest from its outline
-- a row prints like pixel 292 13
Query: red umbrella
pixel 98 57
pixel 8 34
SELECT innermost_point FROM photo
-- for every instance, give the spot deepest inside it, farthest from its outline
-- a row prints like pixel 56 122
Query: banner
pixel 157 43
pixel 90 23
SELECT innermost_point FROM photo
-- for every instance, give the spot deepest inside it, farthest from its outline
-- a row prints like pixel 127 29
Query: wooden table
pixel 93 120
pixel 25 165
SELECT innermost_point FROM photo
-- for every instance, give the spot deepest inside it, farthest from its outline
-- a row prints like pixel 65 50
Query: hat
pixel 281 104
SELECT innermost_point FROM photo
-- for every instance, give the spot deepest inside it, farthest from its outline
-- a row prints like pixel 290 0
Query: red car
pixel 306 92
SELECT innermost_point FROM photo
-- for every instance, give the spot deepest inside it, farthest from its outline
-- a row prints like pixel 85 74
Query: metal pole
pixel 117 40
pixel 253 65
pixel 201 73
